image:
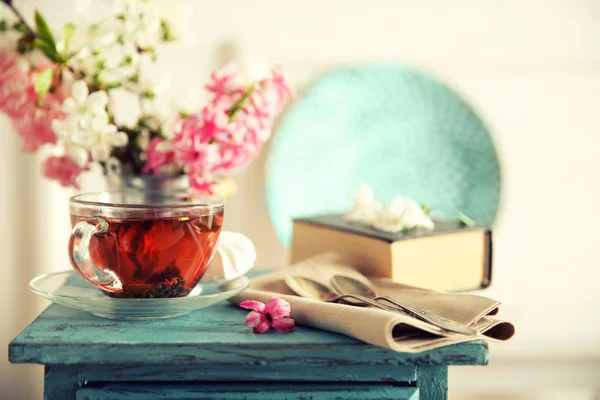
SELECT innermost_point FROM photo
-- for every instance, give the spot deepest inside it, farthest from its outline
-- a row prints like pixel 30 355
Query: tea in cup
pixel 137 244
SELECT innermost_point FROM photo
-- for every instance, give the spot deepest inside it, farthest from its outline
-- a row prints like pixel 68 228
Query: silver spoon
pixel 346 286
pixel 312 289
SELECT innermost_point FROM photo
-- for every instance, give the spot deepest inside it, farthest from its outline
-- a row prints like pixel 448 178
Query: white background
pixel 530 68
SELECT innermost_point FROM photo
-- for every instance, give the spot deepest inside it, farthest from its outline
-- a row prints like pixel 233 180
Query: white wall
pixel 532 70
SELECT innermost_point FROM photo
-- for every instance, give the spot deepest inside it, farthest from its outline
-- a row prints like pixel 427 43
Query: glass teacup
pixel 141 244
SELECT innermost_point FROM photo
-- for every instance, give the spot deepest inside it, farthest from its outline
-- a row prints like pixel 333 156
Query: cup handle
pixel 79 254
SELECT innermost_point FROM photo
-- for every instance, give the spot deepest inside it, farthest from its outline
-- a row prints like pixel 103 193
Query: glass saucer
pixel 69 289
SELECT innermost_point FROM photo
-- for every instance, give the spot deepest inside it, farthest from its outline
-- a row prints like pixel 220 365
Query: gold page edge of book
pixel 401 269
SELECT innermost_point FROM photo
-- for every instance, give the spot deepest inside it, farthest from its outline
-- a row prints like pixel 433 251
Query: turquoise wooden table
pixel 211 354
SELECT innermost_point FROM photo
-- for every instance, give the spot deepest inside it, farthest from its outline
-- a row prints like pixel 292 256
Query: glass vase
pixel 116 179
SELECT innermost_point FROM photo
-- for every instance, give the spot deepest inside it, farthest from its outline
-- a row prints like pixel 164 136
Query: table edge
pixel 467 353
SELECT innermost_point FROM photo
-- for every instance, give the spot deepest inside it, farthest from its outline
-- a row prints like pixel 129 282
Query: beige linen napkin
pixel 379 327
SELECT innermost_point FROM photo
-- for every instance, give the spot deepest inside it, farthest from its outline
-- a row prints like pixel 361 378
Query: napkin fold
pixel 382 328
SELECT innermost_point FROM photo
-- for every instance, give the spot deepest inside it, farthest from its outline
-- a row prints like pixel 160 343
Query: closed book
pixel 451 257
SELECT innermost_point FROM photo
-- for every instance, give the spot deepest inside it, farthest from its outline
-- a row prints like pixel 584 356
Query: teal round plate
pixel 392 127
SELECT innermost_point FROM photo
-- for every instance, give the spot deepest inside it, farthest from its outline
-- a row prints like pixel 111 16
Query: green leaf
pixel 48 50
pixel 24 45
pixel 43 82
pixel 465 220
pixel 68 31
pixel 43 31
pixel 20 27
pixel 238 104
pixel 426 209
pixel 44 40
pixel 167 33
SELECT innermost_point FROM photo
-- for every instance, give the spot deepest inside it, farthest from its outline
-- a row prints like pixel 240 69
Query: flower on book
pixel 401 214
pixel 275 314
pixel 366 207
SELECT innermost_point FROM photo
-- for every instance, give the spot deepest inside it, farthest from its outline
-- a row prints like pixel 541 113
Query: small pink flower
pixel 192 143
pixel 157 157
pixel 63 169
pixel 283 87
pixel 200 182
pixel 200 145
pixel 276 314
pixel 227 85
pixel 18 100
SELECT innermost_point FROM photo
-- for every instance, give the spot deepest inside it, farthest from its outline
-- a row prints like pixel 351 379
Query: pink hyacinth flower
pixel 227 86
pixel 275 314
pixel 230 131
pixel 200 182
pixel 63 169
pixel 196 145
pixel 192 141
pixel 282 86
pixel 157 157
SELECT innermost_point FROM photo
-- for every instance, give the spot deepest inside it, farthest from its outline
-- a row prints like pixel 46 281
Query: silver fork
pixel 346 285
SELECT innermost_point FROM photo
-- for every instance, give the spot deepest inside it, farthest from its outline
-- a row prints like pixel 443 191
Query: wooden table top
pixel 216 334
